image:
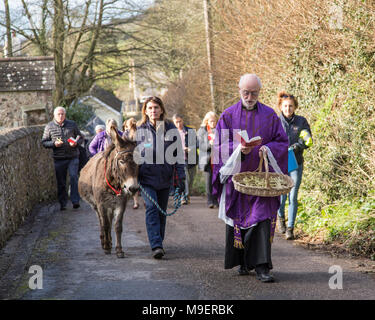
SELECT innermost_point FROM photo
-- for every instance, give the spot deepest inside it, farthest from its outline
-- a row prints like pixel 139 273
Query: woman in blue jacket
pixel 159 146
pixel 299 134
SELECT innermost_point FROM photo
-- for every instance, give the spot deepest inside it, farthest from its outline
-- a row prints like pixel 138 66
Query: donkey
pixel 106 182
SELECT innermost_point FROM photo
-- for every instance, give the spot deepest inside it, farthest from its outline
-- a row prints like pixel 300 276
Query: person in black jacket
pixel 206 134
pixel 160 154
pixel 189 144
pixel 299 134
pixel 63 136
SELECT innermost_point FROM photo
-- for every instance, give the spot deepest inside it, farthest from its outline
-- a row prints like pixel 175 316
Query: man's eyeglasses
pixel 287 96
pixel 246 93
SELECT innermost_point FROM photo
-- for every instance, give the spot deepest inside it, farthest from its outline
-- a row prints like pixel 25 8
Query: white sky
pixel 16 5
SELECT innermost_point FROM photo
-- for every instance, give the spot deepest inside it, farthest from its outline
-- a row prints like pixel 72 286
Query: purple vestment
pixel 246 210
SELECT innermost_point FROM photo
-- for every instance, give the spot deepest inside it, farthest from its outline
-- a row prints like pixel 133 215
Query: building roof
pixel 106 96
pixel 27 74
pixel 92 123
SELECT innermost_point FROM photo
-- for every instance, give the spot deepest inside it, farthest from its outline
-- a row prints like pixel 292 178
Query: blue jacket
pixel 158 176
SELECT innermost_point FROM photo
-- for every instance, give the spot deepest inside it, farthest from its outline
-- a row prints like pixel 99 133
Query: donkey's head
pixel 123 169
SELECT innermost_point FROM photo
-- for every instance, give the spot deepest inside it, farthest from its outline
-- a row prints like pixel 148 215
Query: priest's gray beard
pixel 247 105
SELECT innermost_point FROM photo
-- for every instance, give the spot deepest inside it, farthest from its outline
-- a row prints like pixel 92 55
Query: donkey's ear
pixel 114 135
pixel 116 138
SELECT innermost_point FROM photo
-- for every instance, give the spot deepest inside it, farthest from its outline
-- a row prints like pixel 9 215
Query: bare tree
pixel 58 49
pixel 83 37
pixel 8 29
pixel 210 53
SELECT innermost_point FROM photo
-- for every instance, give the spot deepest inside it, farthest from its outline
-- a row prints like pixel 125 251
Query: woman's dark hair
pixel 283 95
pixel 158 101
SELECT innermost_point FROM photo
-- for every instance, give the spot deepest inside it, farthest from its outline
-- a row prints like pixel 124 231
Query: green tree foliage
pixel 336 89
pixel 80 113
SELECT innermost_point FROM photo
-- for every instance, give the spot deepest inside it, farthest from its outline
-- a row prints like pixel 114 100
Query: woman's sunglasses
pixel 287 96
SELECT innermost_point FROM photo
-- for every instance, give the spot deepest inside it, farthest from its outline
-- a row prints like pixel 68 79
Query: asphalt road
pixel 67 247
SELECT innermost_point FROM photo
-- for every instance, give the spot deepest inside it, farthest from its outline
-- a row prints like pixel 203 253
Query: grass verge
pixel 348 225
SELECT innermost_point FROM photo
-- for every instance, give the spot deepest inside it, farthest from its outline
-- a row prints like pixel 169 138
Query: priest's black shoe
pixel 263 273
pixel 243 271
pixel 265 277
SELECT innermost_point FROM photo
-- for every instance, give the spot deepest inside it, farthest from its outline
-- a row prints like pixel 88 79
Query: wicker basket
pixel 267 191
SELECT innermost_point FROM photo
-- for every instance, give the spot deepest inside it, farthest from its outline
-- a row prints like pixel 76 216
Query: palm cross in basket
pixel 264 184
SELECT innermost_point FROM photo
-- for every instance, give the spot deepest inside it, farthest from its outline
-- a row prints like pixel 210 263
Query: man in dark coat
pixel 63 136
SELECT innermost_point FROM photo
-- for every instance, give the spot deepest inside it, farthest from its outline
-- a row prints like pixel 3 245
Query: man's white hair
pixel 59 108
pixel 248 76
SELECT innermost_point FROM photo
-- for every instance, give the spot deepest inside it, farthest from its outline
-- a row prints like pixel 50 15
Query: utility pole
pixel 210 54
pixel 58 50
pixel 133 83
pixel 8 31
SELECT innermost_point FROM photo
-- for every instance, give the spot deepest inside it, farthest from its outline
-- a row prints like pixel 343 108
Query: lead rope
pixel 176 197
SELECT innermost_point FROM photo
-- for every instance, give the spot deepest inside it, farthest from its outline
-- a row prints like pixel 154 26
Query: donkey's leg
pixel 101 223
pixel 102 219
pixel 104 229
pixel 110 219
pixel 119 214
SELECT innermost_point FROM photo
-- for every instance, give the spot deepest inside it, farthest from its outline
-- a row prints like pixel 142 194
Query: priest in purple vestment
pixel 250 220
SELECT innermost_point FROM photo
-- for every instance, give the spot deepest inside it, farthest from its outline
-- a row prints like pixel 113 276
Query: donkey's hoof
pixel 120 255
pixel 107 251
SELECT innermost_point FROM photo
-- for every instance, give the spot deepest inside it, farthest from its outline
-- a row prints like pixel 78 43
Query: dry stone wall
pixel 27 176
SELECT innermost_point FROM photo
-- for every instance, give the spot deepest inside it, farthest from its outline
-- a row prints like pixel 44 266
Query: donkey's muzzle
pixel 134 189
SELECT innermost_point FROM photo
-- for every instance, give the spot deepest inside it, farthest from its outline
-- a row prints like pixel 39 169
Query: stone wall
pixel 13 108
pixel 27 176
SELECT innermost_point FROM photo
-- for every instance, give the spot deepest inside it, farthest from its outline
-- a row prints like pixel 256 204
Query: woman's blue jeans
pixel 155 220
pixel 296 176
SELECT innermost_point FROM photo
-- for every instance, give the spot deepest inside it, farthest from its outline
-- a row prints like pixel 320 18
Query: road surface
pixel 66 245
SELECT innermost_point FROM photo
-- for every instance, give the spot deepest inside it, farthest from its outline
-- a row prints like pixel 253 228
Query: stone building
pixel 26 85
